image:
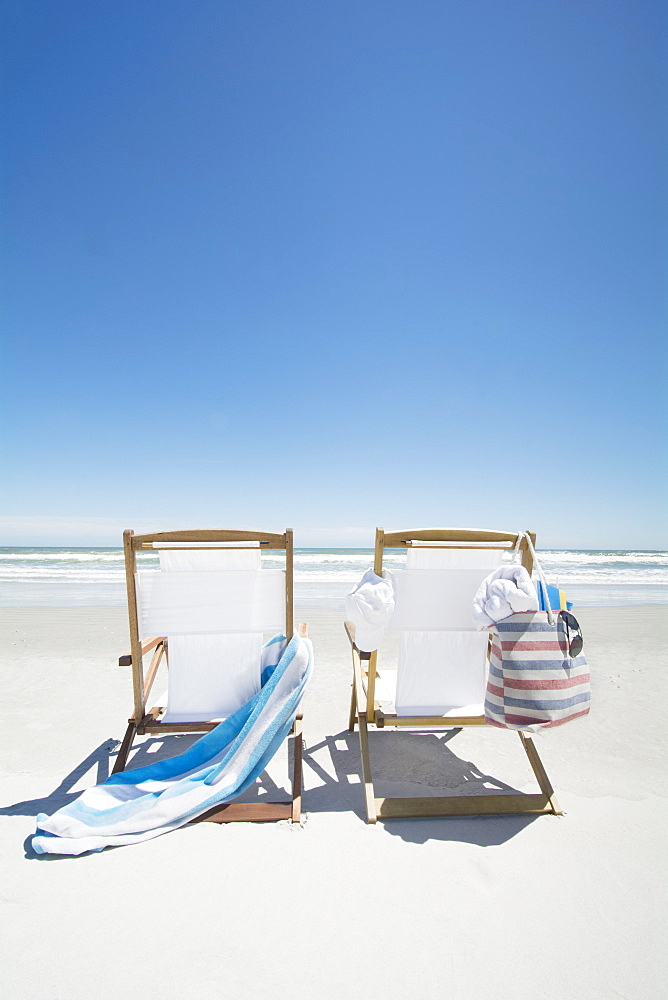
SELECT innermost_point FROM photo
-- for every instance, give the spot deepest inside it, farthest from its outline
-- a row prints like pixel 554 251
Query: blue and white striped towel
pixel 143 803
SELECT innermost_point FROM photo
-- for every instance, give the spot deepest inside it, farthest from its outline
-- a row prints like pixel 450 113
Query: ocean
pixel 88 577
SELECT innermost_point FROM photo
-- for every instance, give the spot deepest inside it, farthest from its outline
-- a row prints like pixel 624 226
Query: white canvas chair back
pixel 442 657
pixel 214 606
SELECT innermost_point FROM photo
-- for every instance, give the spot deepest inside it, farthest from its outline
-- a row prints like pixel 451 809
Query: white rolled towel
pixel 369 606
pixel 504 592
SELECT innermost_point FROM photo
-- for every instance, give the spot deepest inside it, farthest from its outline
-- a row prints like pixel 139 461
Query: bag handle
pixel 539 570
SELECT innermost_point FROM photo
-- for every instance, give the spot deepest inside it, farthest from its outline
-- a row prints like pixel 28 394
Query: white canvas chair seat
pixel 441 672
pixel 386 696
pixel 211 676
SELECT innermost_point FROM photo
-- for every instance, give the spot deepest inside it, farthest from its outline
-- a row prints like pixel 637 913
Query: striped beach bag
pixel 538 676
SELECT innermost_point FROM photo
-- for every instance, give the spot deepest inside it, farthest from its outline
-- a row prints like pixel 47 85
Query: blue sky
pixel 334 265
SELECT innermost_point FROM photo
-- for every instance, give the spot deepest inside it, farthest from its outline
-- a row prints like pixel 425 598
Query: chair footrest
pixel 464 805
pixel 247 812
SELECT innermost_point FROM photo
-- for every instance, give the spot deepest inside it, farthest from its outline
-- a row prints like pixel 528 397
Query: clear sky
pixel 276 263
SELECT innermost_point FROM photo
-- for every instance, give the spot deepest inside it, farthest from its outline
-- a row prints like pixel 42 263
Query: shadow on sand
pixel 101 761
pixel 409 766
pixel 406 766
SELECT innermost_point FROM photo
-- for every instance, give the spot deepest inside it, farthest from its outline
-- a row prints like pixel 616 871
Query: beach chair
pixel 203 615
pixel 441 675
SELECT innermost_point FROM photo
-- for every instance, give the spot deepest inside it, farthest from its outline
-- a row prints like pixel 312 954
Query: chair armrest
pixel 146 646
pixel 350 632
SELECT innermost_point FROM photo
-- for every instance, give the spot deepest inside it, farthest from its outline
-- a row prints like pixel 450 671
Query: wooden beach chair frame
pixel 365 709
pixel 148 721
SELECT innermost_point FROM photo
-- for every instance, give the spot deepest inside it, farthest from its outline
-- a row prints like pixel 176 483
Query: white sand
pixel 568 907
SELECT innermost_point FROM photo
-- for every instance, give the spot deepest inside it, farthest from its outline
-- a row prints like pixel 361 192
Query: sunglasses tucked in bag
pixel 538 675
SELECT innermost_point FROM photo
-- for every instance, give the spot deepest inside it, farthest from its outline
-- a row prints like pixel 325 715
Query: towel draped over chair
pixel 140 804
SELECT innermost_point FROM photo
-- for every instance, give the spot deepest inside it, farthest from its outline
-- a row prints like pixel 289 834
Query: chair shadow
pixel 154 749
pixel 426 762
pixel 101 761
pixel 98 759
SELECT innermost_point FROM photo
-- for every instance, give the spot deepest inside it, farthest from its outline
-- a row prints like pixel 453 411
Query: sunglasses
pixel 576 643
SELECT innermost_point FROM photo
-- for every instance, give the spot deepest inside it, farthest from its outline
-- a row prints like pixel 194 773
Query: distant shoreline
pixel 94 576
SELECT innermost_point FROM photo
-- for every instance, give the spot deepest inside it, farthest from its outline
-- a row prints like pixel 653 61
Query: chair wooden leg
pixel 369 794
pixel 540 772
pixel 296 813
pixel 352 718
pixel 124 749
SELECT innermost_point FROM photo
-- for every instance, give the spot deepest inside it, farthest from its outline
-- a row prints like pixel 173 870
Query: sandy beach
pixel 483 907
